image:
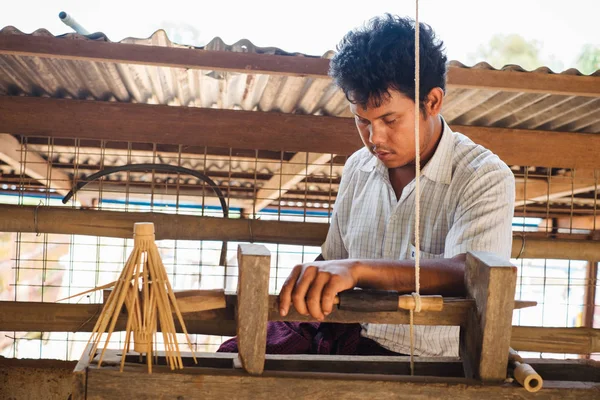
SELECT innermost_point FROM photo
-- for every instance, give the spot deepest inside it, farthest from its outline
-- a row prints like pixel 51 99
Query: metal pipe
pixel 70 21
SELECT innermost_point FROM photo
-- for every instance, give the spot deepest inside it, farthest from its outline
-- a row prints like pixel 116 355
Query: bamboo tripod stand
pixel 144 288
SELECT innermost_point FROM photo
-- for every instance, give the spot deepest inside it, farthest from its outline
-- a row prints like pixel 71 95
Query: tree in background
pixel 514 49
pixel 589 59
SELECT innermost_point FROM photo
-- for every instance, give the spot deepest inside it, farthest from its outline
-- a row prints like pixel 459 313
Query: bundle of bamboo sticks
pixel 144 288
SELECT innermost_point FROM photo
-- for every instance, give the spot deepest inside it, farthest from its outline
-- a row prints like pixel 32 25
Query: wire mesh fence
pixel 558 204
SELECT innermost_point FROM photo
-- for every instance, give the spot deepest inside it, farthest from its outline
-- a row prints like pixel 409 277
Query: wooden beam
pixel 526 82
pixel 537 148
pixel 485 338
pixel 300 166
pixel 590 294
pixel 175 57
pixel 196 384
pixel 255 130
pixel 118 224
pixel 177 125
pixel 556 340
pixel 61 317
pixel 28 162
pixel 254 263
pixel 315 67
pixel 564 249
pixel 63 220
pixel 57 317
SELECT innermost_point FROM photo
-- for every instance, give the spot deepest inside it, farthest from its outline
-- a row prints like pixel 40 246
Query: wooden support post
pixel 254 262
pixel 79 384
pixel 485 337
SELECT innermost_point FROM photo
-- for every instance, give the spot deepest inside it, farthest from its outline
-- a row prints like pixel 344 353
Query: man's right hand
pixel 312 287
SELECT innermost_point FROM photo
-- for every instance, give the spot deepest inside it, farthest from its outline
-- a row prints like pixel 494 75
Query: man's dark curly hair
pixel 381 56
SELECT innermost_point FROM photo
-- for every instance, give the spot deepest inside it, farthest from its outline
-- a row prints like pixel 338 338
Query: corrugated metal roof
pixel 60 78
pixel 36 76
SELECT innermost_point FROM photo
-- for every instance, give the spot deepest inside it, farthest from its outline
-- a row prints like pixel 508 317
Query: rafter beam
pixel 535 190
pixel 300 166
pixel 145 123
pixel 31 164
pixel 315 67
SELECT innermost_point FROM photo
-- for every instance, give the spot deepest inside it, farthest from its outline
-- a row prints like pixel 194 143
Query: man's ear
pixel 434 101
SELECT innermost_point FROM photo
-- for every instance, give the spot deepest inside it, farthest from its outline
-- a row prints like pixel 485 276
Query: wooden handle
pixel 356 300
pixel 380 300
pixel 200 300
pixel 428 303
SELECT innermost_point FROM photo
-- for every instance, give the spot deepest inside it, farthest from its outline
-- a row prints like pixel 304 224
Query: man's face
pixel 388 131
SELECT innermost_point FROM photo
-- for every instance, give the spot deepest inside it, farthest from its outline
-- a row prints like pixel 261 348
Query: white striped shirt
pixel 467 202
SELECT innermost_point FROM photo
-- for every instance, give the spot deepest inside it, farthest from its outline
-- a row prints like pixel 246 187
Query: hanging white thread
pixel 416 294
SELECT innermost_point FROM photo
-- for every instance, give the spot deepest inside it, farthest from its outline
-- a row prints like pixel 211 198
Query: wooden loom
pixel 481 371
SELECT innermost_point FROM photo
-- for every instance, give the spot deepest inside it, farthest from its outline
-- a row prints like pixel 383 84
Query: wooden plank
pixel 255 130
pixel 187 227
pixel 485 338
pixel 556 340
pixel 316 67
pixel 300 166
pixel 22 379
pixel 162 124
pixel 254 263
pixel 191 384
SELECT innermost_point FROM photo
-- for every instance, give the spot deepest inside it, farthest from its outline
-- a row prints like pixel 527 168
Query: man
pixel 467 193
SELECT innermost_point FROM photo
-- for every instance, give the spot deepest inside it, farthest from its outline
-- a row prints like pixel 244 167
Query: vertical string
pixel 417 307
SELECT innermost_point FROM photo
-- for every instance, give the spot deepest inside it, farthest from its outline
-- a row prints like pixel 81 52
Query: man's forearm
pixel 437 276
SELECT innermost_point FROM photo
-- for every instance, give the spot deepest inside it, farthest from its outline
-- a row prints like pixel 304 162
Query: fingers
pixel 331 289
pixel 285 295
pixel 313 298
pixel 306 278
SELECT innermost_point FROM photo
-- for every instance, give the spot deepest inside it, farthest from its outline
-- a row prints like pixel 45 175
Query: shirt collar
pixel 439 167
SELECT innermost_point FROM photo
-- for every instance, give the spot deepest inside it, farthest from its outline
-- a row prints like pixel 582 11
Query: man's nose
pixel 376 135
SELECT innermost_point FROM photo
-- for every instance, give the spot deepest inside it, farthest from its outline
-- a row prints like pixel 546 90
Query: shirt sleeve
pixel 484 213
pixel 334 248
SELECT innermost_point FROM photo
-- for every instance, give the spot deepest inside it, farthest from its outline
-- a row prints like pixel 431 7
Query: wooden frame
pixel 53 317
pixel 314 67
pixel 485 337
pixel 255 130
pixel 309 377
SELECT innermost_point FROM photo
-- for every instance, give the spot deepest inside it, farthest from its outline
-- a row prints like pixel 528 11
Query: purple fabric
pixel 314 338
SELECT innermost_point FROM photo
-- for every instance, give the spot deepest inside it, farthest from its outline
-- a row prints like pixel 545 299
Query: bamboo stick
pixel 144 288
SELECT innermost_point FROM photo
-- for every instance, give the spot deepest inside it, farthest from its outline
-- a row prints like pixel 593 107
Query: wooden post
pixel 590 294
pixel 254 263
pixel 79 384
pixel 485 337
